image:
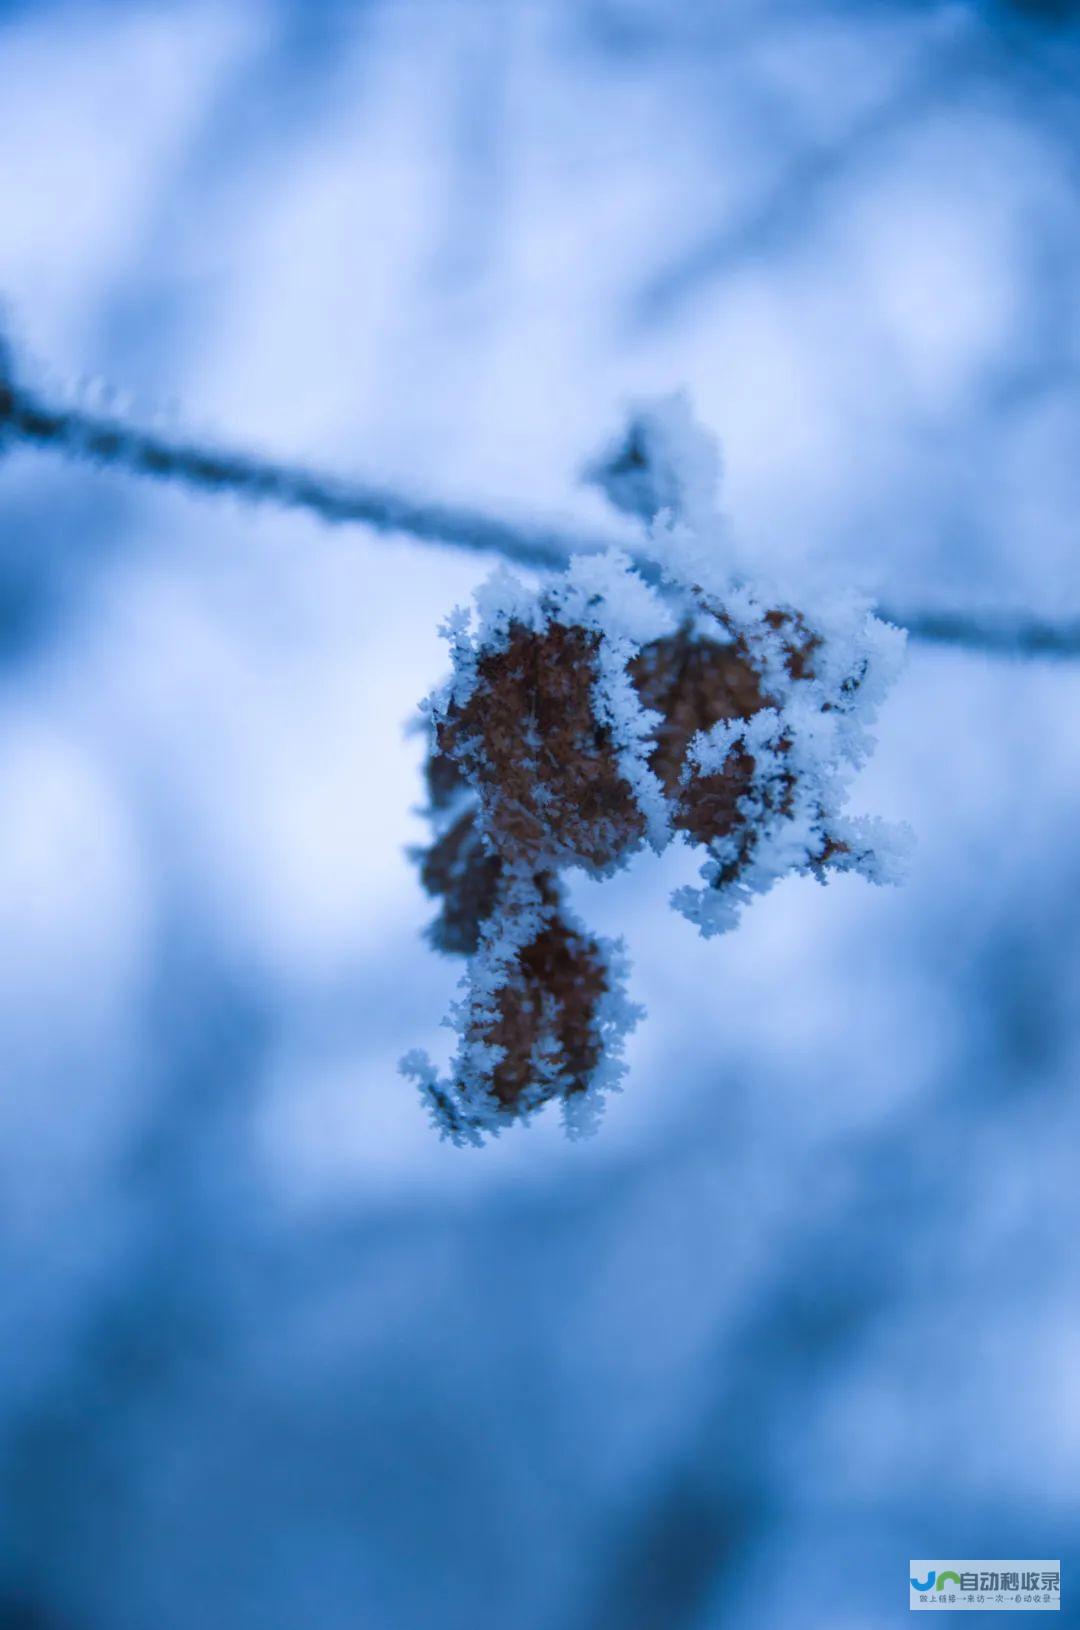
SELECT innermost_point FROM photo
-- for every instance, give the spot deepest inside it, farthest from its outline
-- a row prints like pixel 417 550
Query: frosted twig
pixel 111 441
pixel 106 440
pixel 998 633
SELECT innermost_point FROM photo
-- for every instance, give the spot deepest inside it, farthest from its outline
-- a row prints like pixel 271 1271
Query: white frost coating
pixel 463 1106
pixel 607 596
pixel 792 814
pixel 783 698
pixel 617 1016
pixel 606 593
pixel 823 716
pixel 665 463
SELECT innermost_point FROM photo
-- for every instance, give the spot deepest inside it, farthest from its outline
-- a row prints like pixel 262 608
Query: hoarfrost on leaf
pixel 617 705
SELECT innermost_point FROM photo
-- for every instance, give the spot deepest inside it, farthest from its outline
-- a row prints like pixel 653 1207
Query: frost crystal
pixel 613 708
pixel 665 462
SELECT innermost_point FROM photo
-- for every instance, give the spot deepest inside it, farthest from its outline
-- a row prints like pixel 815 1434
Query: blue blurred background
pixel 271 1357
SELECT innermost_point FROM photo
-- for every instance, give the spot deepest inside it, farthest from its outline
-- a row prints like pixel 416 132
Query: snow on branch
pixel 111 441
pixel 635 473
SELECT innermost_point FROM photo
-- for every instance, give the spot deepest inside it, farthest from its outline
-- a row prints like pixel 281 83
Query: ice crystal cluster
pixel 620 705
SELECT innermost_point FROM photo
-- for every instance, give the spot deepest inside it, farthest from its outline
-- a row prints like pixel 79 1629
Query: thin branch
pixel 111 441
pixel 998 633
pixel 103 440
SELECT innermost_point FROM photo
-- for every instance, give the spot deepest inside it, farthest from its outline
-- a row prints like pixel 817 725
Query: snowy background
pixel 271 1356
